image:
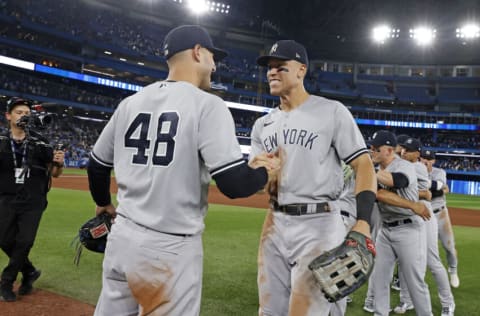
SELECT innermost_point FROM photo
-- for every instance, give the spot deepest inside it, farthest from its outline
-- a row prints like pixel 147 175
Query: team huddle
pixel 342 211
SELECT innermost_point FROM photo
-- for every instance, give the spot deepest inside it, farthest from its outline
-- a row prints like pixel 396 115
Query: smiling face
pixel 410 155
pixel 284 76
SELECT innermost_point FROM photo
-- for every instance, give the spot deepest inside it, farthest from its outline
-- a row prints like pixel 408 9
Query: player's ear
pixel 196 52
pixel 302 71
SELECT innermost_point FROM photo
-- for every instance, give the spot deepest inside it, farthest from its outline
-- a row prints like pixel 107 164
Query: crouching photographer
pixel 27 163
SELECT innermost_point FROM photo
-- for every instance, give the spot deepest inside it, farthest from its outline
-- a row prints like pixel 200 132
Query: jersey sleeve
pixel 218 144
pixel 347 139
pixel 102 152
pixel 255 140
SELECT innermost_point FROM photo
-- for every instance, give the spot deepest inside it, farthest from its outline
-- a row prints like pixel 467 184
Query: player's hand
pixel 421 210
pixel 428 195
pixel 363 228
pixel 110 209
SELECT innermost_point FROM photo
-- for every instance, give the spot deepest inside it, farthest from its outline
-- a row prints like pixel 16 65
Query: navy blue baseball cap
pixel 427 154
pixel 412 144
pixel 186 37
pixel 16 101
pixel 285 50
pixel 402 138
pixel 383 138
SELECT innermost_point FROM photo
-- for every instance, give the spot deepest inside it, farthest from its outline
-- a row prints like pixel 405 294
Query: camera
pixel 36 120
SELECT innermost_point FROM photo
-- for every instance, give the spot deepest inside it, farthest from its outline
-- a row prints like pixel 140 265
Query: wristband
pixel 365 201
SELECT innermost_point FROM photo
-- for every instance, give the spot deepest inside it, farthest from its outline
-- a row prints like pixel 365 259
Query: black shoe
pixel 6 292
pixel 27 282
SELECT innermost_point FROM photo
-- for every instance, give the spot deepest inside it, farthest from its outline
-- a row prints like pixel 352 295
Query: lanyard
pixel 24 154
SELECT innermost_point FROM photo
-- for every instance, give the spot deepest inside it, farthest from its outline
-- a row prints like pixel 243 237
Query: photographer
pixel 27 163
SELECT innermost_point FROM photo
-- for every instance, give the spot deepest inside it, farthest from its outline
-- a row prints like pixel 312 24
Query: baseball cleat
pixel 454 280
pixel 402 308
pixel 448 310
pixel 368 306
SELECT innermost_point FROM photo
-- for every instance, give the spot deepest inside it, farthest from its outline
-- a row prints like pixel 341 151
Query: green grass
pixel 75 171
pixel 230 242
pixel 464 201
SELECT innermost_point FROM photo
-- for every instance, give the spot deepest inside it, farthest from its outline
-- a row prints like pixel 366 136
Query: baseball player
pixel 165 143
pixel 401 138
pixel 311 135
pixel 402 236
pixel 439 188
pixel 411 152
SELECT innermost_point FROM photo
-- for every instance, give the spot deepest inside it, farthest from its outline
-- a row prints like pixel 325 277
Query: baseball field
pixel 230 242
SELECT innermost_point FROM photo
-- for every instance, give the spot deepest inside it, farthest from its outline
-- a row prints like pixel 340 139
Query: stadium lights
pixel 423 35
pixel 201 6
pixel 468 31
pixel 382 33
pixel 197 6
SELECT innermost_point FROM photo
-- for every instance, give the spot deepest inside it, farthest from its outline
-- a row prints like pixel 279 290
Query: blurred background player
pixel 439 189
pixel 402 236
pixel 411 152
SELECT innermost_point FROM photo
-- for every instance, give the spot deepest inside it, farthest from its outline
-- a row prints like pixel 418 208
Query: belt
pixel 397 223
pixel 145 227
pixel 438 210
pixel 301 209
pixel 347 214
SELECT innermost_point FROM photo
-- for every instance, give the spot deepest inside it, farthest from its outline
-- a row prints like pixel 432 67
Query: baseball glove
pixel 345 268
pixel 93 235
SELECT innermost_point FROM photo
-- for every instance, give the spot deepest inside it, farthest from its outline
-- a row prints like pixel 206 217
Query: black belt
pixel 438 210
pixel 397 223
pixel 143 226
pixel 301 209
pixel 346 214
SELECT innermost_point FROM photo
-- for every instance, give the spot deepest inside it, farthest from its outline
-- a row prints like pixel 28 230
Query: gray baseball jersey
pixel 392 213
pixel 313 138
pixel 165 141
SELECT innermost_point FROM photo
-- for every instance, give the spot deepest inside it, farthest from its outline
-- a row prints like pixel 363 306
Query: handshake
pixel 273 163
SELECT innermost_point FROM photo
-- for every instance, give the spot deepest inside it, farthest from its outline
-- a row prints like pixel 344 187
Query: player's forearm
pixel 394 199
pixel 99 182
pixel 241 181
pixel 385 178
pixel 365 179
pixel 365 192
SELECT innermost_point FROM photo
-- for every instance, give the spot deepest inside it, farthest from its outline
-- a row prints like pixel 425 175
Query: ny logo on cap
pixel 274 48
pixel 165 49
pixel 297 55
pixel 409 141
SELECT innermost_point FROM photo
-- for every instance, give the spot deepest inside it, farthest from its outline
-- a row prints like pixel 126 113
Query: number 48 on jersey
pixel 166 130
